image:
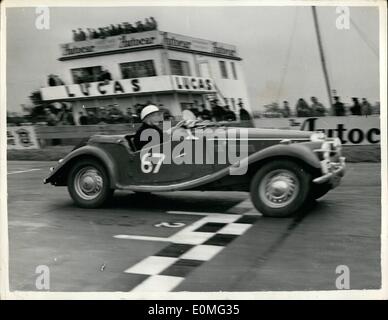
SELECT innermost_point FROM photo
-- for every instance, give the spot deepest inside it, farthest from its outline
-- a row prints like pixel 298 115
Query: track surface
pixel 95 250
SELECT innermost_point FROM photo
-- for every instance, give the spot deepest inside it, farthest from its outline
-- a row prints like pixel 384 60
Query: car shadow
pixel 178 201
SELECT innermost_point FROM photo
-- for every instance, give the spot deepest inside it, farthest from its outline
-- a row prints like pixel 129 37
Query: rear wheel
pixel 88 184
pixel 280 188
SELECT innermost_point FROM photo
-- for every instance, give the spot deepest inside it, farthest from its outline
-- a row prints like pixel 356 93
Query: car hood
pixel 257 133
pixel 243 133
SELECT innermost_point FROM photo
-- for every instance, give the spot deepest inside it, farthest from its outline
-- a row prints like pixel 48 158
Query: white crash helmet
pixel 148 110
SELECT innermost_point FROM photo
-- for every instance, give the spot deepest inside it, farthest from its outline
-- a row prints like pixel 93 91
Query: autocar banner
pixel 352 130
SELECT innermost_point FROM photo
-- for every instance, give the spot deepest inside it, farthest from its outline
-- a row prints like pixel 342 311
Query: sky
pixel 278 45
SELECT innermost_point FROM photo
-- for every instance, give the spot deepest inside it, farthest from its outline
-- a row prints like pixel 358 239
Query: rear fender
pixel 58 176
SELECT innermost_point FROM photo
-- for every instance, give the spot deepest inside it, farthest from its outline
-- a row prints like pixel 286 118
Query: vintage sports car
pixel 282 169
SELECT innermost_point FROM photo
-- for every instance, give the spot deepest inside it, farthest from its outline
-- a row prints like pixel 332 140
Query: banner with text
pixel 128 86
pixel 22 138
pixel 147 39
pixel 352 130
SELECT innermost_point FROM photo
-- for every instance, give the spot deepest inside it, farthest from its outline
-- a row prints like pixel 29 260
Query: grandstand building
pixel 172 70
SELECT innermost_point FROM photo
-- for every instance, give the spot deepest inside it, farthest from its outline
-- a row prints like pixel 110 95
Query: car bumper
pixel 332 172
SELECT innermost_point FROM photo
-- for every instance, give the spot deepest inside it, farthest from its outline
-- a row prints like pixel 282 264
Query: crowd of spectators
pixel 317 109
pixel 115 30
pixel 81 77
pixel 219 112
pixel 112 114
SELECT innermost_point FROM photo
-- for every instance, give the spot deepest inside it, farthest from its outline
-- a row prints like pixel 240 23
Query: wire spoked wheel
pixel 88 184
pixel 280 188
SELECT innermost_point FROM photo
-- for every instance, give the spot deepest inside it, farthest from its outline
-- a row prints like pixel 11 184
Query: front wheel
pixel 88 184
pixel 280 188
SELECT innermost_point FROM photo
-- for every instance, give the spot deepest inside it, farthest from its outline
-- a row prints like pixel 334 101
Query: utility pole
pixel 322 58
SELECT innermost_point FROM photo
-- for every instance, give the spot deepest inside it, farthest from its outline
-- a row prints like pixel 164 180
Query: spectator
pixel 66 117
pixel 154 23
pixel 195 111
pixel 102 34
pixel 58 81
pixel 317 108
pixel 51 80
pixel 132 29
pixel 119 29
pixel 286 109
pixel 204 113
pixel 90 34
pixel 356 108
pixel 83 120
pixel 148 25
pixel 366 107
pixel 139 26
pixel 244 114
pixel 229 114
pixel 96 35
pixel 126 29
pixel 303 109
pixel 104 75
pixel 81 34
pixel 51 118
pixel 339 108
pixel 75 36
pixel 112 30
pixel 92 118
pixel 217 110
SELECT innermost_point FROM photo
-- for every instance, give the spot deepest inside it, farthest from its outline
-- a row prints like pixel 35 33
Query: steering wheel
pixel 187 124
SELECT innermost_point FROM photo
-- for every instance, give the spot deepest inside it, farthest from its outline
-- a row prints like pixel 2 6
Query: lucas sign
pixel 128 87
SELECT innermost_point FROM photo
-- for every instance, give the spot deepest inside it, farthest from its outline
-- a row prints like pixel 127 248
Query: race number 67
pixel 148 165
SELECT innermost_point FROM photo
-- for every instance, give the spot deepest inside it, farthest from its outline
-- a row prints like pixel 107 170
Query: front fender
pixel 58 175
pixel 301 151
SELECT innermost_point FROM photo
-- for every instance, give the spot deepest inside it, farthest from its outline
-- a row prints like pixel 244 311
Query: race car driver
pixel 150 116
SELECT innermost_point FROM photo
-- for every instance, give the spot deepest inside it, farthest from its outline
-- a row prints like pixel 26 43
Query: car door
pixel 158 165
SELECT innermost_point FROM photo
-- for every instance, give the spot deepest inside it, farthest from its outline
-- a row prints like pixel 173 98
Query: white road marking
pixel 145 238
pixel 151 265
pixel 170 225
pixel 23 171
pixel 202 252
pixel 154 265
pixel 158 283
pixel 235 228
pixel 191 237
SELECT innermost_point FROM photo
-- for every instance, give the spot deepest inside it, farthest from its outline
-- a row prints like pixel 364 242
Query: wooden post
pixel 323 62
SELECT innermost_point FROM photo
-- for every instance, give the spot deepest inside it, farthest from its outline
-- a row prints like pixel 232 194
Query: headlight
pixel 337 143
pixel 317 136
pixel 325 149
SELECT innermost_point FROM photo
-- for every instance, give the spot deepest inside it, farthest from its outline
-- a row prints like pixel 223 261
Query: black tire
pixel 280 188
pixel 94 171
